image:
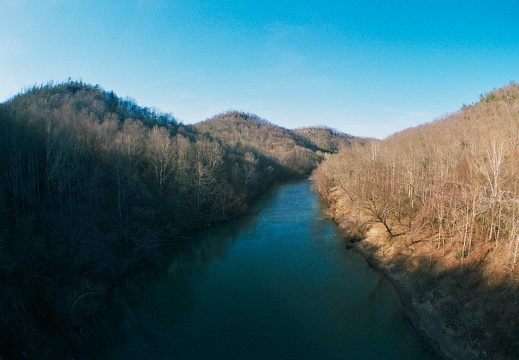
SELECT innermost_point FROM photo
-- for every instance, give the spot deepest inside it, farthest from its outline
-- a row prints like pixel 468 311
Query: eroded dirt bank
pixel 460 308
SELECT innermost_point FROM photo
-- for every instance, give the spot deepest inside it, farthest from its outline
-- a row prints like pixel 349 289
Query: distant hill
pixel 296 153
pixel 326 139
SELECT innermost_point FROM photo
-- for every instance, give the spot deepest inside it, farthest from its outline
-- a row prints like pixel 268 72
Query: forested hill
pixel 92 185
pixel 446 196
pixel 327 139
pixel 251 134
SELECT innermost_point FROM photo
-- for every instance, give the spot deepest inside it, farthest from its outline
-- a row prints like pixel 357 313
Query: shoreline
pixel 457 315
pixel 433 301
pixel 409 311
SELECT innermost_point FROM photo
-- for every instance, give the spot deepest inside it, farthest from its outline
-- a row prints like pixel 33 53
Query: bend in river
pixel 276 283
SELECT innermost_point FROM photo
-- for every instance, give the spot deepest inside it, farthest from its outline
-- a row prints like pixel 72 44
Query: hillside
pixel 436 208
pixel 295 154
pixel 327 139
pixel 92 186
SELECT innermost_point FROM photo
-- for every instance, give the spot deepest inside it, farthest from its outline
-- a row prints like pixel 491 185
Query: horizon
pixel 366 69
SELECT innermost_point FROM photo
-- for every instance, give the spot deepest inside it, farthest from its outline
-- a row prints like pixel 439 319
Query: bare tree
pixel 162 155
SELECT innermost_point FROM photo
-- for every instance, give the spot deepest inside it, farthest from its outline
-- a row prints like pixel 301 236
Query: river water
pixel 276 283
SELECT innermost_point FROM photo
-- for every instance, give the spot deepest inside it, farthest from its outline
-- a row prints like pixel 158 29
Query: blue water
pixel 276 283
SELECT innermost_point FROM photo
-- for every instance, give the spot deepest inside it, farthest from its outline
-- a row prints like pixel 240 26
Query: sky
pixel 366 67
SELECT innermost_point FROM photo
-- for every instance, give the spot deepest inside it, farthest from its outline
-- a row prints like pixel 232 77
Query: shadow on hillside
pixel 460 313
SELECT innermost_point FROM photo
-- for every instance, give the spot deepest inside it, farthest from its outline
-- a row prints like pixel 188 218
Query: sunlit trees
pixel 446 193
pixel 289 153
pixel 456 176
pixel 162 155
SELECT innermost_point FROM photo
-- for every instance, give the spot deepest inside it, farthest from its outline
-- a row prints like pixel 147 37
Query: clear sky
pixel 366 67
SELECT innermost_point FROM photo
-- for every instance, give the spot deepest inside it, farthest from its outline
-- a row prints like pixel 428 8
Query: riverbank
pixel 373 251
pixel 460 310
pixel 273 283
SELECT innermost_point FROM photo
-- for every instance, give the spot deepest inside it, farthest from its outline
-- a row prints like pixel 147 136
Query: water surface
pixel 276 283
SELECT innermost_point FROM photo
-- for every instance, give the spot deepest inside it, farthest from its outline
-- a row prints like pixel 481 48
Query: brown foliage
pixel 288 153
pixel 451 184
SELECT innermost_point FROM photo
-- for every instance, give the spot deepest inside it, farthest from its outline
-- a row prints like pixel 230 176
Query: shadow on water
pixel 185 259
pixel 275 283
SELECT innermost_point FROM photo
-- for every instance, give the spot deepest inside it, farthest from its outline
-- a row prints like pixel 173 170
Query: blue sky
pixel 368 68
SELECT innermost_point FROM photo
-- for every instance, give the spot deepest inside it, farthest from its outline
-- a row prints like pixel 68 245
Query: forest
pixel 437 207
pixel 93 186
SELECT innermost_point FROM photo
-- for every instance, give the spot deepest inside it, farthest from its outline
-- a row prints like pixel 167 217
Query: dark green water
pixel 274 284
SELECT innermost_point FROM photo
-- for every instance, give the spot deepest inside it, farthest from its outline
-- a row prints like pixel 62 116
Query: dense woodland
pixel 93 186
pixel 327 139
pixel 447 190
pixel 252 135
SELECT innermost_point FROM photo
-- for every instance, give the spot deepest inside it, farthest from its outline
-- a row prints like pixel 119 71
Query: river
pixel 276 283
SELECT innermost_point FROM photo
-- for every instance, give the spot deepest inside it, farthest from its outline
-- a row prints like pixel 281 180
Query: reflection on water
pixel 274 284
